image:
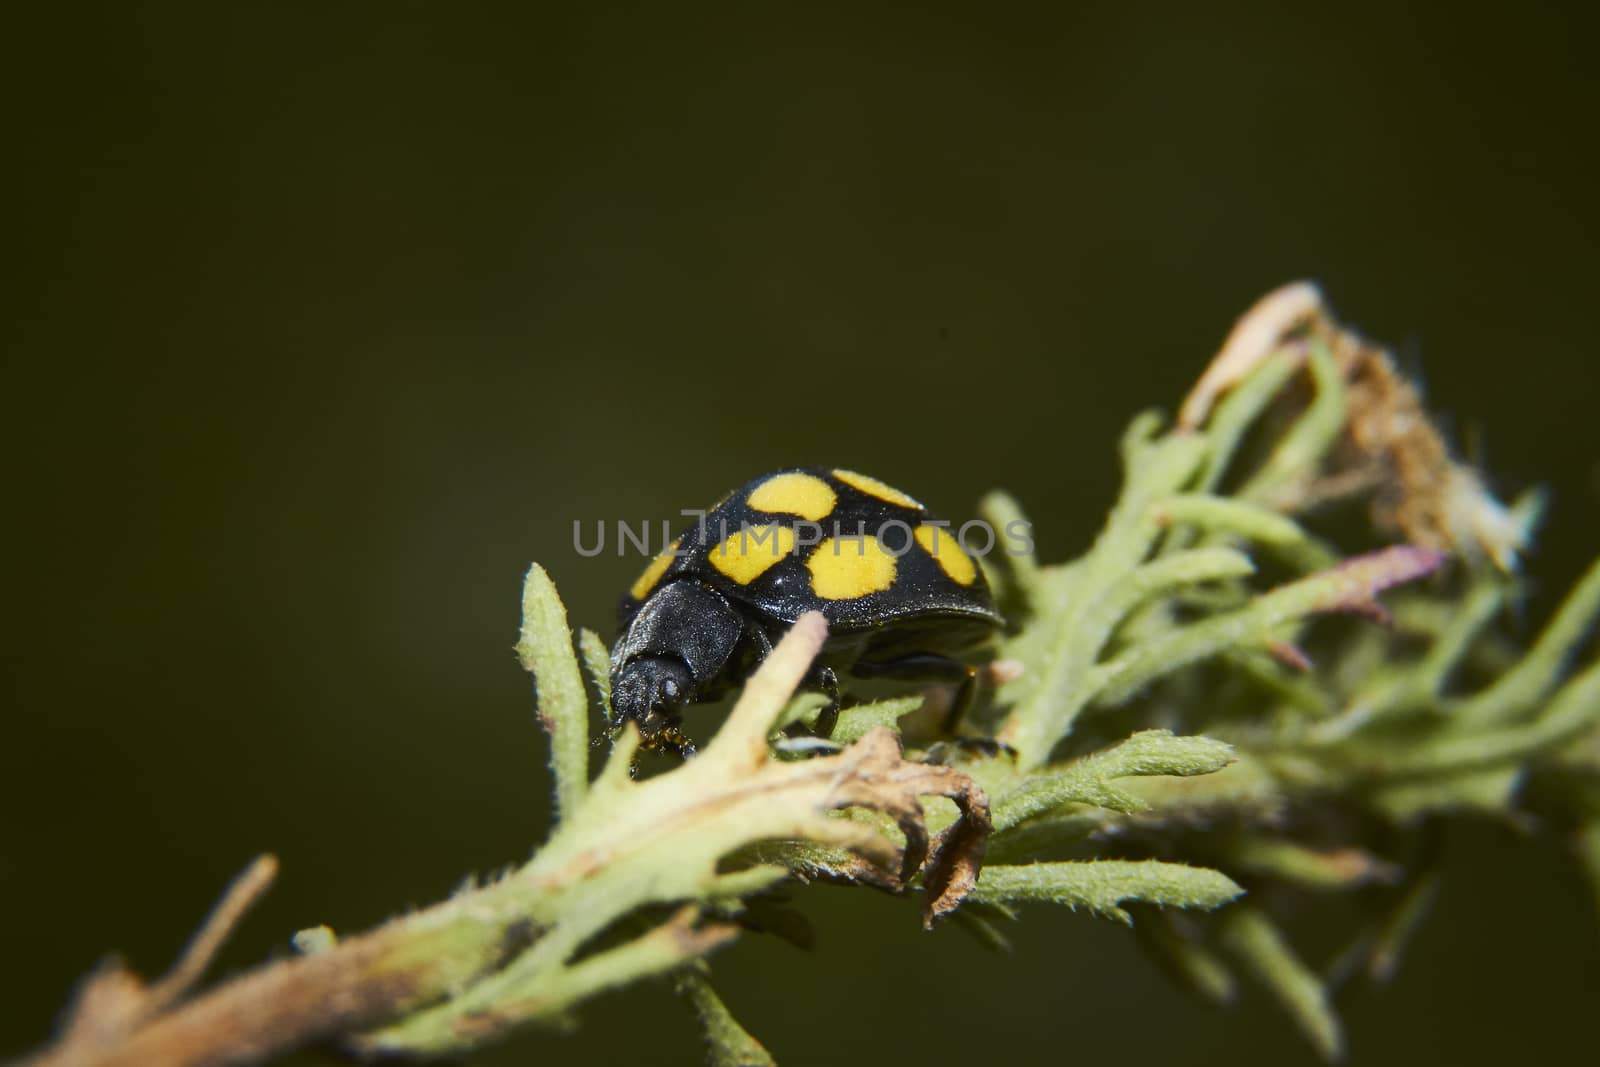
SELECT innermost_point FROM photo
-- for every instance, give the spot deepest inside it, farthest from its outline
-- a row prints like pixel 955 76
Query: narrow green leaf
pixel 1239 409
pixel 1289 861
pixel 1351 586
pixel 1174 571
pixel 1191 964
pixel 1522 687
pixel 802 707
pixel 1103 885
pixel 549 992
pixel 1072 630
pixel 1398 927
pixel 736 884
pixel 727 1043
pixel 1467 620
pixel 1313 433
pixel 597 661
pixel 1230 517
pixel 1408 799
pixel 1573 709
pixel 1015 533
pixel 1260 948
pixel 545 649
pixel 983 921
pixel 1088 780
pixel 1301 691
pixel 1417 690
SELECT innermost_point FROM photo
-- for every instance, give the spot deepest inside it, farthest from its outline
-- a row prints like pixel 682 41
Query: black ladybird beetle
pixel 901 597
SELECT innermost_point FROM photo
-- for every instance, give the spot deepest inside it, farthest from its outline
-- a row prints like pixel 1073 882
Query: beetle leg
pixel 823 678
pixel 679 745
pixel 966 697
pixel 828 717
pixel 825 681
pixel 930 667
pixel 671 738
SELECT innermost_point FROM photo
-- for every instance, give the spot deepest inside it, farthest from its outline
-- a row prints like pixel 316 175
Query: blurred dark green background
pixel 323 322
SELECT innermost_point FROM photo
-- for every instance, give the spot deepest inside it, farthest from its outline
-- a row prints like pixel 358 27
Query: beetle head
pixel 648 692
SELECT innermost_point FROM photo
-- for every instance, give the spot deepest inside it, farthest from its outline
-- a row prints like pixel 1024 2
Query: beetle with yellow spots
pixel 902 598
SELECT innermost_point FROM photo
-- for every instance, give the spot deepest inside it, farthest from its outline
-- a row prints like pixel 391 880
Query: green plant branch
pixel 1167 733
pixel 1352 586
pixel 464 971
pixel 1065 645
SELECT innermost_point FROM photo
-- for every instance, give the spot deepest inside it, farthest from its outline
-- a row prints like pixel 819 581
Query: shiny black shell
pixel 942 605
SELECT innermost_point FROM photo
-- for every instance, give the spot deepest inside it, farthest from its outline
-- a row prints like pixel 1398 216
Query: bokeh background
pixel 323 321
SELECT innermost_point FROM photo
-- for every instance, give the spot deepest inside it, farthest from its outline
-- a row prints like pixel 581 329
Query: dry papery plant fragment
pixel 1389 450
pixel 1177 743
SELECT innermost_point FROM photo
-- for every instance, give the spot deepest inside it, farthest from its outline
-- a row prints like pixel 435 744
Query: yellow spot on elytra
pixel 843 568
pixel 947 552
pixel 652 574
pixel 750 552
pixel 873 487
pixel 794 493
